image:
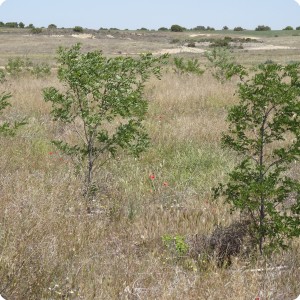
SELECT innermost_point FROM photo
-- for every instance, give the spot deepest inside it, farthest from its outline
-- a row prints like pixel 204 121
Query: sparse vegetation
pixel 50 248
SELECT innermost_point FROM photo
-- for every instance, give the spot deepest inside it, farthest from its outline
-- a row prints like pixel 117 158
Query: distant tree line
pixel 173 28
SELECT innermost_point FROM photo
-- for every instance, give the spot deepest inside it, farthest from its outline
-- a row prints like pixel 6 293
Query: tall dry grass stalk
pixel 50 248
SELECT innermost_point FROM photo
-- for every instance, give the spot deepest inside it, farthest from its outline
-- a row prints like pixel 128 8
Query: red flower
pixel 165 184
pixel 50 153
pixel 152 176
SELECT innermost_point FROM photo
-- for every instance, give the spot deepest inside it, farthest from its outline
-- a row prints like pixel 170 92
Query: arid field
pixel 51 248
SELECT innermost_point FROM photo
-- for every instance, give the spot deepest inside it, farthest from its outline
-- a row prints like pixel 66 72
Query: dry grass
pixel 51 249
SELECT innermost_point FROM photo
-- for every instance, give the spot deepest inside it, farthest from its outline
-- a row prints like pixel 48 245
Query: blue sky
pixel 134 14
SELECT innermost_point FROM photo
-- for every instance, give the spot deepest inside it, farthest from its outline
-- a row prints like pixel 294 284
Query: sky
pixel 134 14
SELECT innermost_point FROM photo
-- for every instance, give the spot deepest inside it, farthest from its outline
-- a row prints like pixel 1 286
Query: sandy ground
pixel 265 47
pixel 200 34
pixel 182 49
pixel 83 36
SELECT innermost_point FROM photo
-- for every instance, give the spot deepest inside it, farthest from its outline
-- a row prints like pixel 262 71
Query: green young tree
pixel 264 130
pixel 103 101
pixel 187 66
pixel 223 66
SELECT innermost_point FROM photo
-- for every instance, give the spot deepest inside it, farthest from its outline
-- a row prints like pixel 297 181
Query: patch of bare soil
pixel 200 34
pixel 254 46
pixel 83 36
pixel 182 49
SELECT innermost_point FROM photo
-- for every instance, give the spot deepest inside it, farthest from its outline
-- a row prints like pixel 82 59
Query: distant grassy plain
pixel 50 248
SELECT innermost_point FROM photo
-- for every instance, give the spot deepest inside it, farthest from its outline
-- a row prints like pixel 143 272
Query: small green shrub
pixel 163 29
pixel 262 28
pixel 52 26
pixel 16 66
pixel 239 29
pixel 6 128
pixel 175 41
pixel 199 28
pixel 41 70
pixel 36 30
pixel 288 28
pixel 220 43
pixel 191 44
pixel 176 244
pixel 187 66
pixel 177 28
pixel 2 76
pixel 223 65
pixel 78 29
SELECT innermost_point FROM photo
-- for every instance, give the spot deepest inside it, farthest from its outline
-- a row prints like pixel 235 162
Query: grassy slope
pixel 49 246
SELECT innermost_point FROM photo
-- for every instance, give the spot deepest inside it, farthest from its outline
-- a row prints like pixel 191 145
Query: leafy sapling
pixel 104 104
pixel 223 66
pixel 7 128
pixel 264 130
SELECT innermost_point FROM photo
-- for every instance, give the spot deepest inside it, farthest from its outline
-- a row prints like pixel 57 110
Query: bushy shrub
pixel 11 24
pixel 52 26
pixel 191 44
pixel 7 128
pixel 187 66
pixel 40 70
pixel 177 28
pixel 199 28
pixel 225 28
pixel 210 28
pixel 288 28
pixel 2 76
pixel 78 29
pixel 175 41
pixel 262 28
pixel 36 30
pixel 17 65
pixel 163 29
pixel 220 43
pixel 238 28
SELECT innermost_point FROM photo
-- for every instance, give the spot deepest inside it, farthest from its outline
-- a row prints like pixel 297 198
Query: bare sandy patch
pixel 58 36
pixel 265 47
pixel 182 49
pixel 83 36
pixel 200 34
